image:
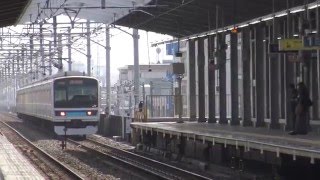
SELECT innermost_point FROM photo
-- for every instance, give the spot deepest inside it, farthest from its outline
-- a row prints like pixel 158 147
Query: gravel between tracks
pixel 74 157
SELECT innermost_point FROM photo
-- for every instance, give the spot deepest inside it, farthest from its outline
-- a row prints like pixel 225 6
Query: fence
pixel 166 105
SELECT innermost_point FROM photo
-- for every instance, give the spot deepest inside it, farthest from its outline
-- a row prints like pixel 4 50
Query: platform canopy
pixel 181 18
pixel 103 11
pixel 10 11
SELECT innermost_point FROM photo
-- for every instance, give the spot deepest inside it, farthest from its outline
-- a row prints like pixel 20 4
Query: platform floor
pixel 263 139
pixel 13 165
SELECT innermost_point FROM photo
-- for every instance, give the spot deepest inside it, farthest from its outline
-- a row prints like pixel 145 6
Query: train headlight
pixel 89 113
pixel 62 113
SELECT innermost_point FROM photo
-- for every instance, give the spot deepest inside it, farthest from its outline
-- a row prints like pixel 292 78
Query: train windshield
pixel 75 93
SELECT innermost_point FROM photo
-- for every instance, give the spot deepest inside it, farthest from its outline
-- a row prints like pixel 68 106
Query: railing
pixel 158 106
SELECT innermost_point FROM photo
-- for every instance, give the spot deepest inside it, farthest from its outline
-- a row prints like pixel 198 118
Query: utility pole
pixel 135 36
pixel 60 66
pixel 69 49
pixel 108 78
pixel 88 49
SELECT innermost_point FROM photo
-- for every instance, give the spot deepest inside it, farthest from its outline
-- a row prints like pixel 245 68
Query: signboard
pixel 128 122
pixel 311 42
pixel 290 45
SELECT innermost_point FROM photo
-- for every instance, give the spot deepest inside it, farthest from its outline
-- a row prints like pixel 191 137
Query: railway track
pixel 136 162
pixel 49 166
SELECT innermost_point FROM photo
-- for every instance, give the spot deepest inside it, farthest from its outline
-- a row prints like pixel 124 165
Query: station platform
pixel 13 165
pixel 261 139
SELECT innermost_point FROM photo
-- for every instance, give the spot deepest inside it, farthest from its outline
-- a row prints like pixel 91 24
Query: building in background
pixel 157 88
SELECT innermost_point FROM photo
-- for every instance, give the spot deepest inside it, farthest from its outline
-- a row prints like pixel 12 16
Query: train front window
pixel 75 93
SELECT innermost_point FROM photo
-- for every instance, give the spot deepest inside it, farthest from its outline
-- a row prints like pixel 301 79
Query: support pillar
pixel 201 84
pixel 289 73
pixel 108 74
pixel 135 36
pixel 192 81
pixel 234 80
pixel 316 102
pixel 274 63
pixel 259 71
pixel 222 79
pixel 212 81
pixel 246 84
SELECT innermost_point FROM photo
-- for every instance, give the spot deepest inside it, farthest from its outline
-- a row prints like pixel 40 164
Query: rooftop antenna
pixel 148 51
pixel 158 50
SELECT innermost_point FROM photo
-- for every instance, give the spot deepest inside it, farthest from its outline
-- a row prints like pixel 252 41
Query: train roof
pixel 59 75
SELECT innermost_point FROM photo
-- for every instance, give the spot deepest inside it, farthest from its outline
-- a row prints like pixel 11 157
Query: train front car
pixel 76 105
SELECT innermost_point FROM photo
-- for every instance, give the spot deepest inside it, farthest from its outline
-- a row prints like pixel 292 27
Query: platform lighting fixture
pixel 314 6
pixel 282 14
pixel 297 10
pixel 203 35
pixel 279 38
pixel 314 32
pixel 243 25
pixel 255 22
pixel 220 31
pixel 267 19
pixel 296 35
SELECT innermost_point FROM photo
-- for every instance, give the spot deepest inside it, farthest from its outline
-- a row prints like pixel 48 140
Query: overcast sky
pixel 122 50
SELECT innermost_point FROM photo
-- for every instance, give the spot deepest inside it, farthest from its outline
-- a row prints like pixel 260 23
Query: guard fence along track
pixel 49 166
pixel 136 162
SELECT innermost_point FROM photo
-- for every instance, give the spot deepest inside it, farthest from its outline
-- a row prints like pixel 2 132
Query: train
pixel 69 102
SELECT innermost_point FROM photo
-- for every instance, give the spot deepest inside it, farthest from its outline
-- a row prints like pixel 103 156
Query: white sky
pixel 121 47
pixel 122 50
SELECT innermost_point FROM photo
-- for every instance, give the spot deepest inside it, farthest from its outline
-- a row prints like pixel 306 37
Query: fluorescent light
pixel 193 37
pixel 282 14
pixel 202 35
pixel 314 32
pixel 297 10
pixel 313 7
pixel 255 22
pixel 267 19
pixel 243 25
pixel 279 38
pixel 220 31
pixel 229 29
pixel 212 33
pixel 296 35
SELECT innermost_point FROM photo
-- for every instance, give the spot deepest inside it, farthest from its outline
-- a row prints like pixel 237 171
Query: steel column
pixel 274 63
pixel 42 51
pixel 259 71
pixel 108 78
pixel 135 36
pixel 222 78
pixel 69 50
pixel 192 80
pixel 88 49
pixel 201 84
pixel 246 84
pixel 60 52
pixel 50 58
pixel 212 81
pixel 234 79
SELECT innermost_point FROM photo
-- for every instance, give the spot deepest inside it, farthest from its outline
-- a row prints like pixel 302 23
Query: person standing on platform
pixel 293 104
pixel 302 110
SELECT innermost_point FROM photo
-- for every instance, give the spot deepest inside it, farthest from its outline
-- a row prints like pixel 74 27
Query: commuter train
pixel 69 102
